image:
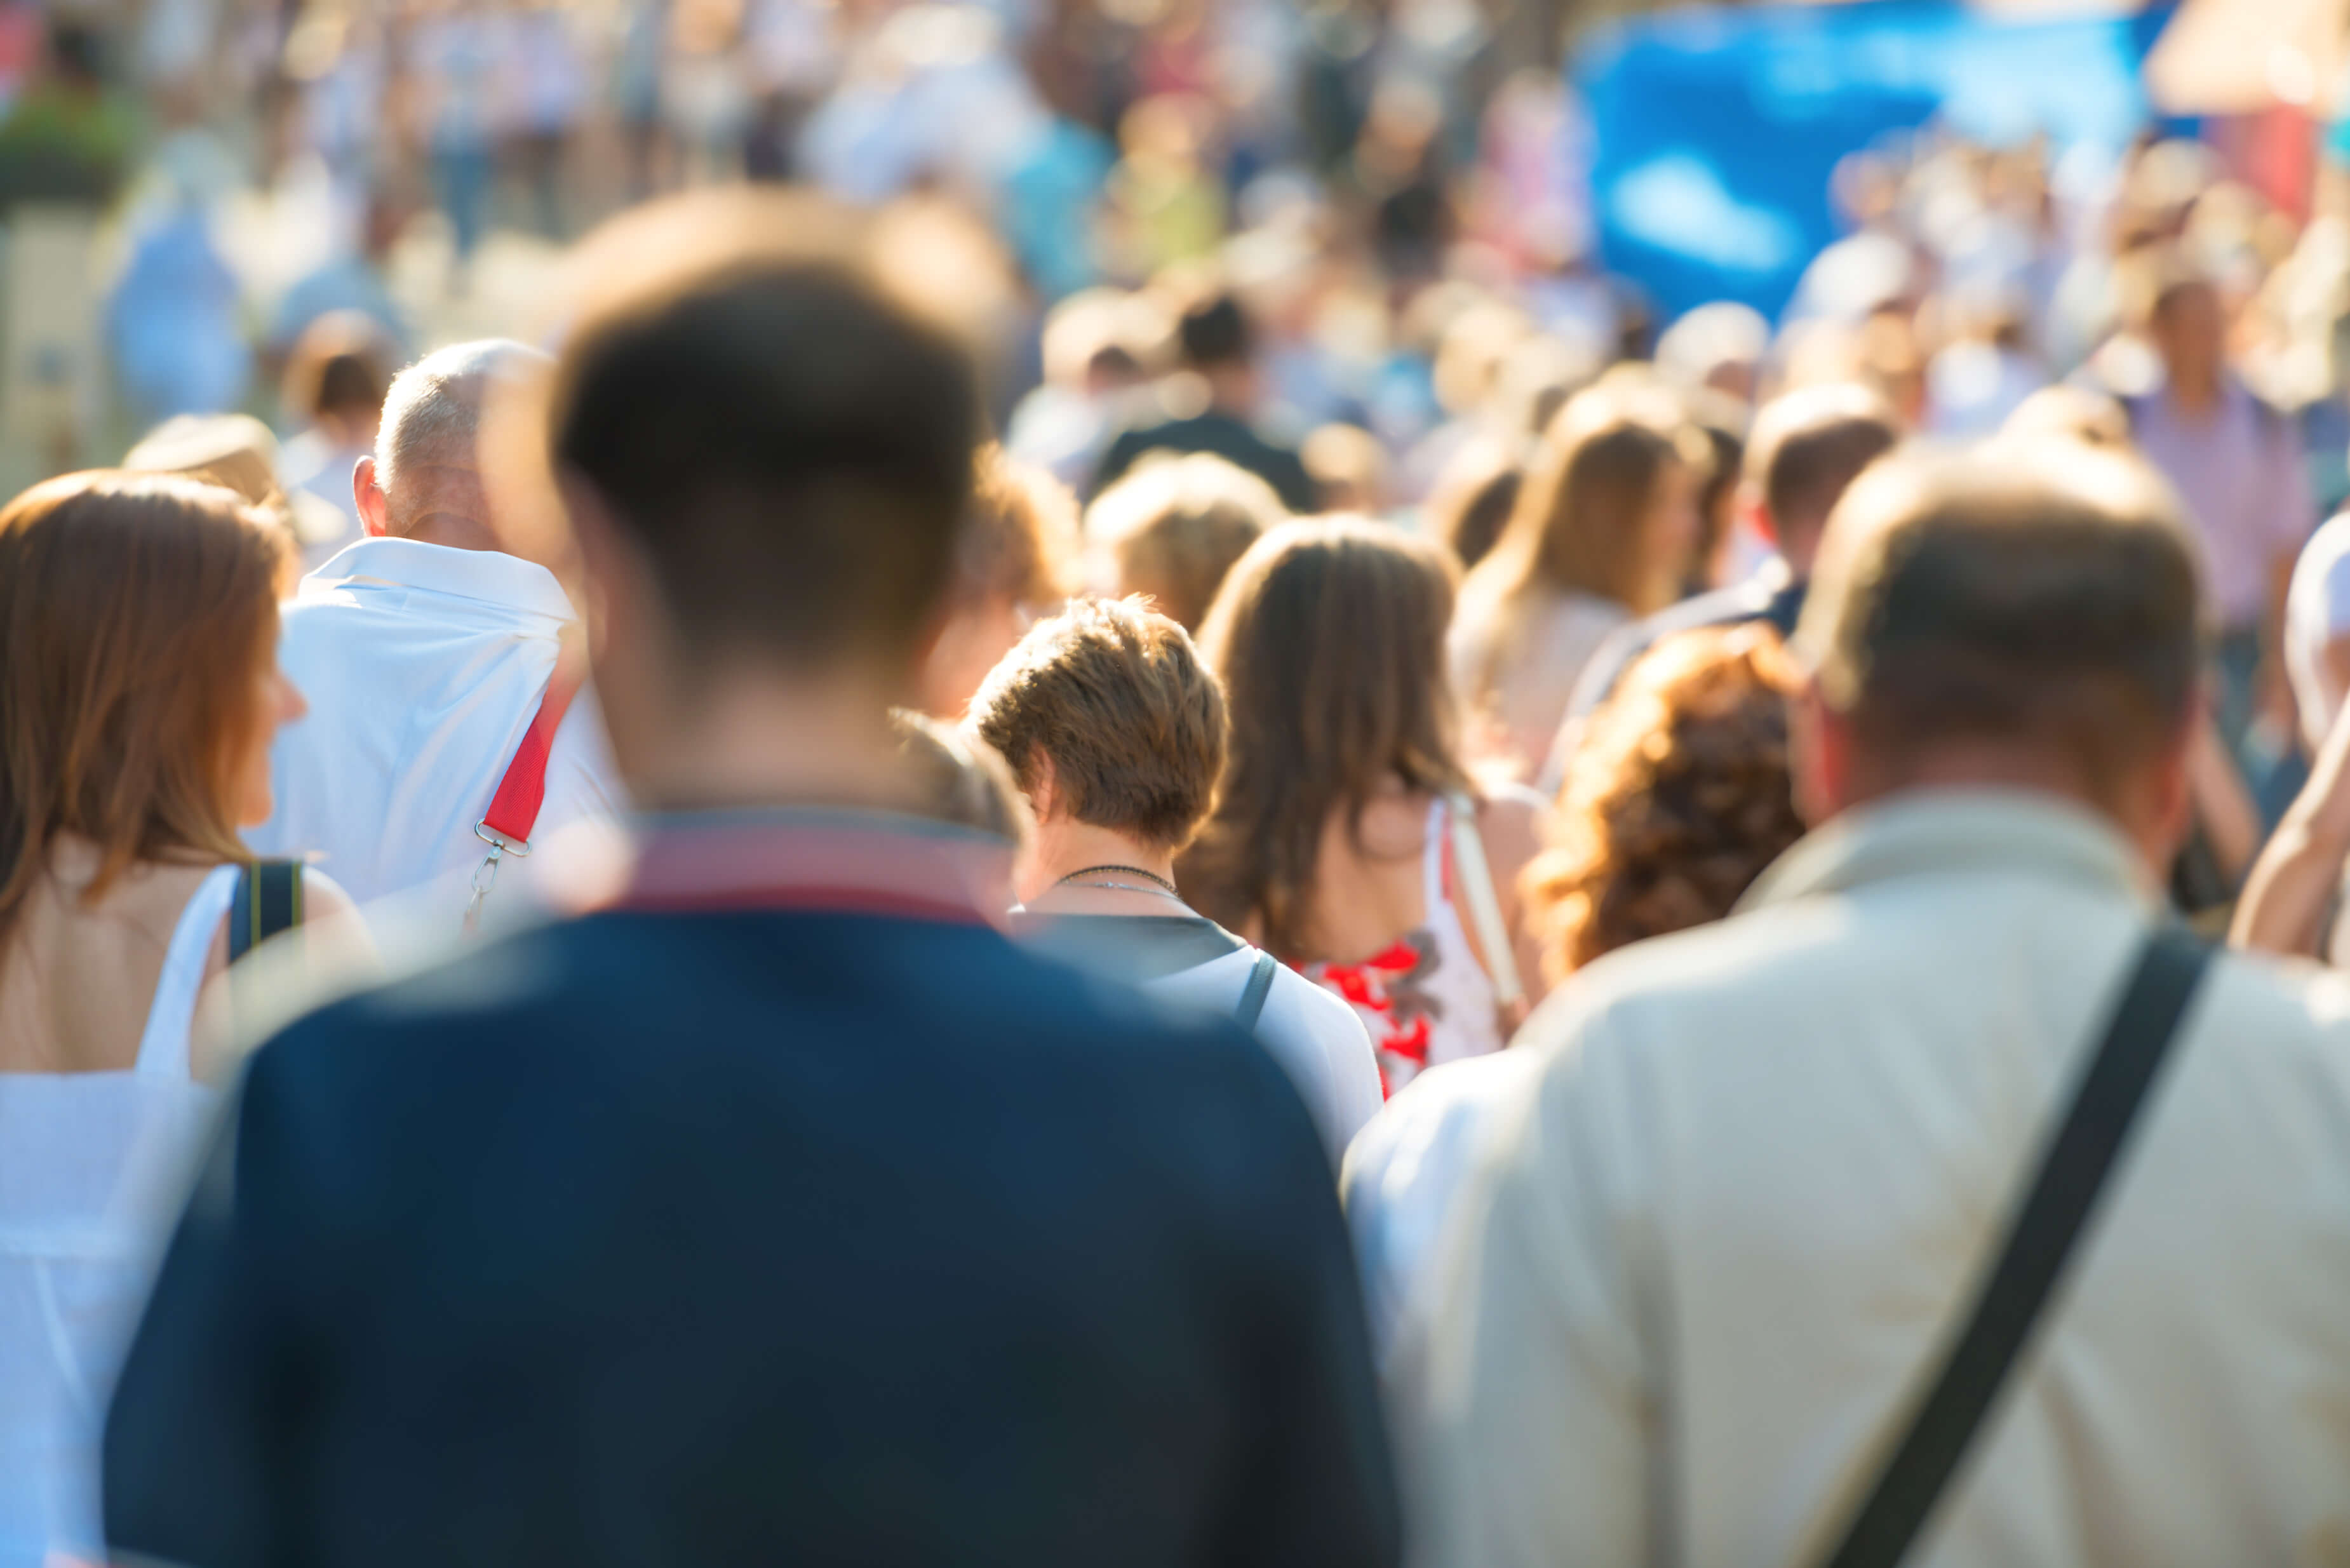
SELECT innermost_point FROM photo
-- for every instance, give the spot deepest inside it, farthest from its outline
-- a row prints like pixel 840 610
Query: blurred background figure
pixel 2235 462
pixel 961 780
pixel 1016 561
pixel 1173 529
pixel 336 379
pixel 1602 534
pixel 237 452
pixel 1212 405
pixel 1808 447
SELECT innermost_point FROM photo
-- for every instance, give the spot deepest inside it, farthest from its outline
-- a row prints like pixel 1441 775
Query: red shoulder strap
pixel 513 809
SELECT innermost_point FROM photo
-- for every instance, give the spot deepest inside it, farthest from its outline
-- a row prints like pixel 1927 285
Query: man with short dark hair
pixel 1217 344
pixel 1115 730
pixel 1806 447
pixel 1761 1169
pixel 782 1210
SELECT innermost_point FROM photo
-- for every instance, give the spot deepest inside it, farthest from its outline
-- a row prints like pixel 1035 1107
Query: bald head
pixel 425 481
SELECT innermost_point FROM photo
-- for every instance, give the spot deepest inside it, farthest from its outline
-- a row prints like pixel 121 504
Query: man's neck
pixel 2198 396
pixel 1232 390
pixel 748 741
pixel 1961 764
pixel 451 532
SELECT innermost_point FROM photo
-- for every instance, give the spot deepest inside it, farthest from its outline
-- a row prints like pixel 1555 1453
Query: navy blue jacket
pixel 686 1240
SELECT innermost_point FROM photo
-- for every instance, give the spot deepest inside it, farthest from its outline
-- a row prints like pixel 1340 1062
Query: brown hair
pixel 1176 525
pixel 1810 444
pixel 2083 413
pixel 341 364
pixel 1678 798
pixel 960 779
pixel 1472 504
pixel 135 610
pixel 1329 638
pixel 2037 590
pixel 782 424
pixel 1581 516
pixel 1018 533
pixel 234 451
pixel 1132 722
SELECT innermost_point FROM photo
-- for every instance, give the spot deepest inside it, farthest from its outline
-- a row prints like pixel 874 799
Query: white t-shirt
pixel 1194 962
pixel 2316 612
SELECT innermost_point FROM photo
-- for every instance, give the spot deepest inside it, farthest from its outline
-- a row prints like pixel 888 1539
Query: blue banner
pixel 1718 130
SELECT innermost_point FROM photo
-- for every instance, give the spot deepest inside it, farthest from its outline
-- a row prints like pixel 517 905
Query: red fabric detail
pixel 1399 1046
pixel 513 809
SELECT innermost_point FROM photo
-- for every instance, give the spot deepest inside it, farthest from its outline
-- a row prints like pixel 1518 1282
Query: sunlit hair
pixel 1019 533
pixel 1581 519
pixel 135 611
pixel 1112 695
pixel 1473 499
pixel 1808 445
pixel 1175 525
pixel 2081 413
pixel 1329 639
pixel 2028 590
pixel 1677 799
pixel 959 778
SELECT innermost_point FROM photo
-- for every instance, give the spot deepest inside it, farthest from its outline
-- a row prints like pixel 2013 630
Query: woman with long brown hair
pixel 139 692
pixel 1346 838
pixel 1601 535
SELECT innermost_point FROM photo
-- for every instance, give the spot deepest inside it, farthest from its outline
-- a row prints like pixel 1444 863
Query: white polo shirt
pixel 424 666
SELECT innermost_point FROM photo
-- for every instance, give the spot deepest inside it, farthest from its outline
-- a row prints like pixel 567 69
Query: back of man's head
pixel 1213 332
pixel 427 446
pixel 777 428
pixel 1806 449
pixel 2036 599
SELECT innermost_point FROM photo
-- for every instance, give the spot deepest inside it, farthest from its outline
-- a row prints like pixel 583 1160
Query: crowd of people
pixel 1163 848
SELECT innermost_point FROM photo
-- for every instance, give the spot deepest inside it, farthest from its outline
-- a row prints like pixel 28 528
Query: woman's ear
pixel 1042 788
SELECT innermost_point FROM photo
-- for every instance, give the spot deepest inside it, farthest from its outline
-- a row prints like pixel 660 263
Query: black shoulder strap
pixel 2040 1238
pixel 268 900
pixel 1260 986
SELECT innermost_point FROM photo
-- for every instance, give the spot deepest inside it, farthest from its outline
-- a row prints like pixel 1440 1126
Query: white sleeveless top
pixel 93 1168
pixel 1426 1001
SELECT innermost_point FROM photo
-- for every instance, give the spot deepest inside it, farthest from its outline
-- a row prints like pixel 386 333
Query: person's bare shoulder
pixel 1511 819
pixel 328 956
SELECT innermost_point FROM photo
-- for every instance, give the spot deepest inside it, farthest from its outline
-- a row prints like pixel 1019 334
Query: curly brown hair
pixel 1677 799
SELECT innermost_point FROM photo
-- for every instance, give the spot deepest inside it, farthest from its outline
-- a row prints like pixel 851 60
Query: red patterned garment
pixel 1386 991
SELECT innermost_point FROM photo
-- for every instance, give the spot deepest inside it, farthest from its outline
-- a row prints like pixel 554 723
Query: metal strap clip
pixel 485 875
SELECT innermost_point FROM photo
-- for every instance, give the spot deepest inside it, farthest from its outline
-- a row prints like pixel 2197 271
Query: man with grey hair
pixel 430 653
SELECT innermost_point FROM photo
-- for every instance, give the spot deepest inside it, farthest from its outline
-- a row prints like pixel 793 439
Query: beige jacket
pixel 1700 1264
